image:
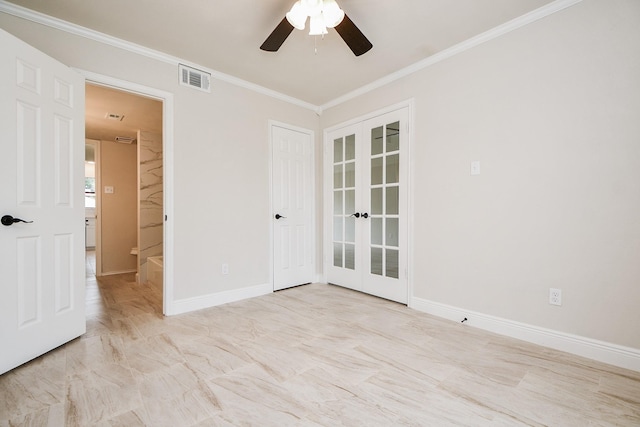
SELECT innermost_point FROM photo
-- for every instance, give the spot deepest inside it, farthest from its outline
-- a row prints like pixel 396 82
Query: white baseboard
pixel 211 300
pixel 113 273
pixel 613 354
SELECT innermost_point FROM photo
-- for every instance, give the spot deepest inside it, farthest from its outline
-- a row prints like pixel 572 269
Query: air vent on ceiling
pixel 125 139
pixel 114 116
pixel 194 78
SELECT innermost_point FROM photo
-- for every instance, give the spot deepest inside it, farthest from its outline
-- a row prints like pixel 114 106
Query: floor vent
pixel 194 78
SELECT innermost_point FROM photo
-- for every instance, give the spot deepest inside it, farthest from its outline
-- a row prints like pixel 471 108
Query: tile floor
pixel 316 355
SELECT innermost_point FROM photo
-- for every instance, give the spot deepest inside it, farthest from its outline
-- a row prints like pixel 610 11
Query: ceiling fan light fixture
pixel 324 14
pixel 317 26
pixel 332 13
pixel 297 16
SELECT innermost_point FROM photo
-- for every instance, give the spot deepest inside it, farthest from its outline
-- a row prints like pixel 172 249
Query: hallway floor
pixel 316 355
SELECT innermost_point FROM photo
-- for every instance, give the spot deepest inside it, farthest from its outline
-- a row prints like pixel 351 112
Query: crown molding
pixel 491 34
pixel 78 30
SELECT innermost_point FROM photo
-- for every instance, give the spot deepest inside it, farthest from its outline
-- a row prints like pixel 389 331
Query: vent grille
pixel 125 139
pixel 194 78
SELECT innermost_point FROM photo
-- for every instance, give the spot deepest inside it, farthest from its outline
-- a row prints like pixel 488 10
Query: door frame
pixel 96 145
pixel 311 133
pixel 168 306
pixel 327 254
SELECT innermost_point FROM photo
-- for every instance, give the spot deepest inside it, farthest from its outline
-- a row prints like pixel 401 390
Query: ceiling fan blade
pixel 353 37
pixel 278 36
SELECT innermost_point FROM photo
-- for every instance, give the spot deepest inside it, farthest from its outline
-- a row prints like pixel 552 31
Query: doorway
pixel 130 210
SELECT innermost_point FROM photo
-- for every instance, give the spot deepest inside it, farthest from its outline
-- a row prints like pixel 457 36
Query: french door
pixel 367 205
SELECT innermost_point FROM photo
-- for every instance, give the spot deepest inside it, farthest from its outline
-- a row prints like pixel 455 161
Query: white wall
pixel 221 168
pixel 552 112
pixel 118 210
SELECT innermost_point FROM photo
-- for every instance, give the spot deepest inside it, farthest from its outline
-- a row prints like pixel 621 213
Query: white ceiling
pixel 225 35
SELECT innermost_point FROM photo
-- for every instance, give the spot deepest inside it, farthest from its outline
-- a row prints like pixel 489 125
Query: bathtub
pixel 154 270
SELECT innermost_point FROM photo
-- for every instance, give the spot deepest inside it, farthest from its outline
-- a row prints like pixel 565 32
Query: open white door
pixel 41 170
pixel 292 194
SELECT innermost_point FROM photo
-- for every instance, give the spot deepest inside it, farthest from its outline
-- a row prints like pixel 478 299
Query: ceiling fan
pixel 322 14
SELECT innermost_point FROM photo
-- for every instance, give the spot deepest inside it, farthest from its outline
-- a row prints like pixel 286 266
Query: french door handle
pixel 278 216
pixel 365 215
pixel 357 214
pixel 9 220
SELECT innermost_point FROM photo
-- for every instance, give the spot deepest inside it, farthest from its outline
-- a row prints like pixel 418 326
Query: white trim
pixel 59 24
pixel 491 34
pixel 408 103
pixel 168 174
pixel 613 354
pixel 211 300
pixel 514 24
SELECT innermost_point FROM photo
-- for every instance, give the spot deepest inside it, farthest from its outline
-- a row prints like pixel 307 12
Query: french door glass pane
pixel 337 228
pixel 349 202
pixel 391 232
pixel 350 175
pixel 392 202
pixel 376 231
pixel 391 264
pixel 393 168
pixel 376 201
pixel 350 256
pixel 376 141
pixel 337 176
pixel 350 229
pixel 393 137
pixel 376 170
pixel 337 202
pixel 337 254
pixel 337 150
pixel 350 148
pixel 376 261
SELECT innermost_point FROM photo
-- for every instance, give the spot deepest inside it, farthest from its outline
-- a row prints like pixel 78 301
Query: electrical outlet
pixel 225 268
pixel 555 296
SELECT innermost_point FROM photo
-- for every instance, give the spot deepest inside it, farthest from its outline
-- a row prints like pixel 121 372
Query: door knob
pixel 9 220
pixel 357 214
pixel 278 216
pixel 365 215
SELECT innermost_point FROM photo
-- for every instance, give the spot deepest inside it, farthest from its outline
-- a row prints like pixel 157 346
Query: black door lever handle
pixel 9 220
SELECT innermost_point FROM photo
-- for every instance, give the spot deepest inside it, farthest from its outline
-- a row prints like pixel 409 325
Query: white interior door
pixel 41 170
pixel 292 194
pixel 367 178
